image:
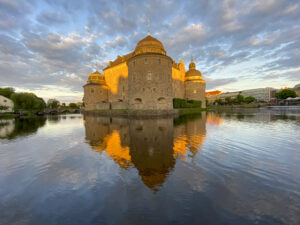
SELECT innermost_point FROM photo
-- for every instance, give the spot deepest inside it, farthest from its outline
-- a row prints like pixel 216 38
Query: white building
pixel 261 94
pixel 7 104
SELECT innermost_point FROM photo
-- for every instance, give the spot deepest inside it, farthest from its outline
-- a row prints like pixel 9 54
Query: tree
pixel 52 103
pixel 250 99
pixel 7 92
pixel 228 100
pixel 27 101
pixel 73 105
pixel 285 93
pixel 239 99
pixel 219 102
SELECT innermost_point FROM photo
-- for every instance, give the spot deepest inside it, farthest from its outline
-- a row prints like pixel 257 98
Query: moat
pixel 237 167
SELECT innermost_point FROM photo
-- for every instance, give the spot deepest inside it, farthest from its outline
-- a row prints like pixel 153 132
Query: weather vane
pixel 148 27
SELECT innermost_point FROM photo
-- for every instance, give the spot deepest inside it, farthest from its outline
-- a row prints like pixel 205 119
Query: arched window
pixel 138 100
pixel 161 99
pixel 149 76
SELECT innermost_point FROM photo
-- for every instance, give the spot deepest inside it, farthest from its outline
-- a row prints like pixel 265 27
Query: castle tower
pixel 194 85
pixel 95 91
pixel 150 77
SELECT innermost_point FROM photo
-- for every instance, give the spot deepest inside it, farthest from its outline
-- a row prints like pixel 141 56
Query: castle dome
pixel 149 45
pixel 193 74
pixel 96 77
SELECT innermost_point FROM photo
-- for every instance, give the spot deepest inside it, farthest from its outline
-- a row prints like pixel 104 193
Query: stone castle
pixel 145 79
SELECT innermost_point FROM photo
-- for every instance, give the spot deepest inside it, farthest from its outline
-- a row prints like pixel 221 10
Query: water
pixel 212 168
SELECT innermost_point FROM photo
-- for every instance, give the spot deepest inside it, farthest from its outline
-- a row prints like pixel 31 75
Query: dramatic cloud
pixel 51 46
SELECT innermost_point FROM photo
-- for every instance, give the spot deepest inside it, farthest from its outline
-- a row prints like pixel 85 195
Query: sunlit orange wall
pixel 113 74
pixel 179 74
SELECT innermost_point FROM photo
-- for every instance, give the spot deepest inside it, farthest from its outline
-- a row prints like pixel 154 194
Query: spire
pixel 148 27
pixel 192 64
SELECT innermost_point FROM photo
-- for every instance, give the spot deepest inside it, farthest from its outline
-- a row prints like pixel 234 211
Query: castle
pixel 145 79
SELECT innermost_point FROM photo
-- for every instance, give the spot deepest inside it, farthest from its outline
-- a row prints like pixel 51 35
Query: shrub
pixel 3 107
pixel 285 93
pixel 250 99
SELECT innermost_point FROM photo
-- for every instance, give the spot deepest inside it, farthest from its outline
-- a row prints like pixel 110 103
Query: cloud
pixel 52 18
pixel 50 44
pixel 216 83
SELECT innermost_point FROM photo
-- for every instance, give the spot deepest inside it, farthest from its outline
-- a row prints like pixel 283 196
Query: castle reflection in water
pixel 152 146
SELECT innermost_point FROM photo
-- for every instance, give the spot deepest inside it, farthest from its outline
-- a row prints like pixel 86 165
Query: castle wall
pixel 150 82
pixel 93 94
pixel 178 76
pixel 195 91
pixel 116 79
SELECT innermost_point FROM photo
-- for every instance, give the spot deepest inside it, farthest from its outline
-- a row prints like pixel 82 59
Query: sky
pixel 50 47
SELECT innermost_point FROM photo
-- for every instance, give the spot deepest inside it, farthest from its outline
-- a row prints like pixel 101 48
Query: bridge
pixel 61 111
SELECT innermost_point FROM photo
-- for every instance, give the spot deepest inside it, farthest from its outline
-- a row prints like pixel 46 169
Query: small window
pixel 158 61
pixel 138 100
pixel 149 76
pixel 146 61
pixel 154 89
pixel 143 89
pixel 92 91
pixel 161 99
pixel 4 100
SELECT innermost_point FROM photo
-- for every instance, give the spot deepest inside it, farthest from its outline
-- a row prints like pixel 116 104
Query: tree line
pixel 31 102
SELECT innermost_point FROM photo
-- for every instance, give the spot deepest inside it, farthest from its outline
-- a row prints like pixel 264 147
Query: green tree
pixel 27 101
pixel 285 93
pixel 53 103
pixel 219 101
pixel 239 99
pixel 228 100
pixel 250 99
pixel 73 105
pixel 7 92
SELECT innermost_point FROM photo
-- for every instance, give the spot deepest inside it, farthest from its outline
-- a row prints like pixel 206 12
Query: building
pixel 145 79
pixel 261 94
pixel 6 105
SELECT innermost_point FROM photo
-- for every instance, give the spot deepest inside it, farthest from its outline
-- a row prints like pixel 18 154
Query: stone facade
pixel 146 79
pixel 150 78
pixel 93 94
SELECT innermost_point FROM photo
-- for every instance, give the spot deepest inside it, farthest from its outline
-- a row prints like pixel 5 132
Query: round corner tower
pixel 95 91
pixel 150 77
pixel 195 85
